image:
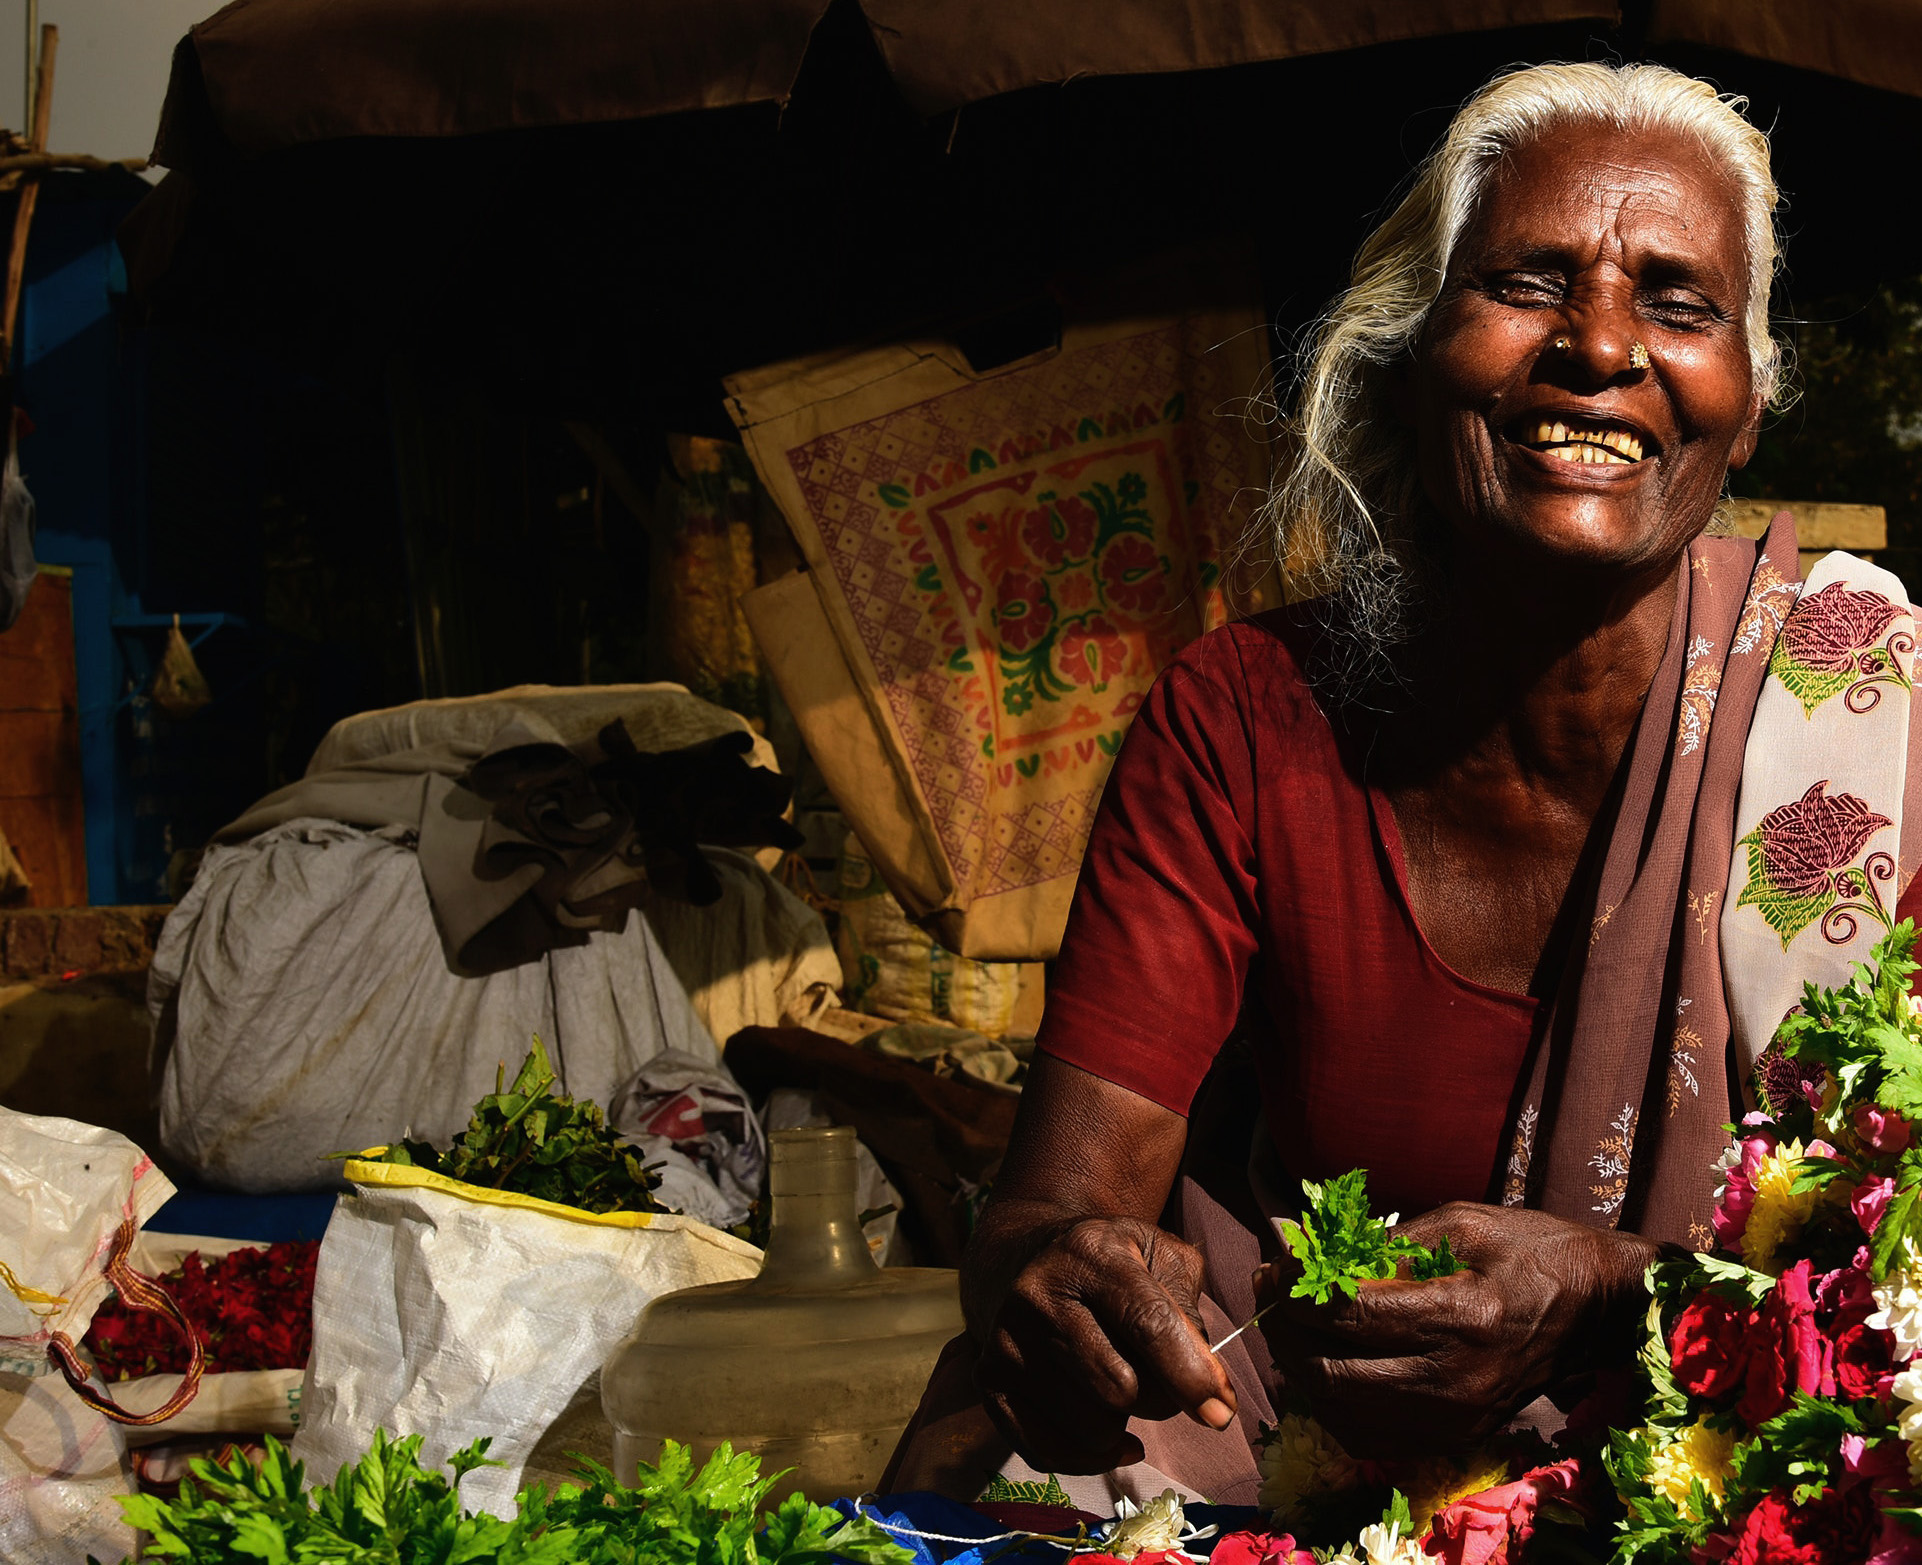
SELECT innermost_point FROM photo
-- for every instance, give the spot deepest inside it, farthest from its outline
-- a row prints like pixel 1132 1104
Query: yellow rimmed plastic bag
pixel 450 1311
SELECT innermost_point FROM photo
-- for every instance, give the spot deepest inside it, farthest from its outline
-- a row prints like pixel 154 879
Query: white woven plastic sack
pixel 441 1312
pixel 66 1191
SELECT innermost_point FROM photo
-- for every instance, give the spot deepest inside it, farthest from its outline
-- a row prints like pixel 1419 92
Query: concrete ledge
pixel 52 942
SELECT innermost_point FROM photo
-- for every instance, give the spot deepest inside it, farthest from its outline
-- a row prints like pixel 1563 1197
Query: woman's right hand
pixel 1100 1327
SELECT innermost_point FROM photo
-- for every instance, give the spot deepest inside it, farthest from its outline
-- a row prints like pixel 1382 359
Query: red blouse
pixel 1237 841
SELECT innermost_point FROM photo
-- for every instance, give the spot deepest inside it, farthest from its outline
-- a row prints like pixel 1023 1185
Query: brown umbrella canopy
pixel 280 73
pixel 608 202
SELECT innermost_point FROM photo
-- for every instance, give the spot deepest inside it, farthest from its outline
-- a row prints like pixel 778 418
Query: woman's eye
pixel 1682 311
pixel 1528 288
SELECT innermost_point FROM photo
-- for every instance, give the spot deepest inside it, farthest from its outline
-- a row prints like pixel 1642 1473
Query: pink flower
pixel 1807 1354
pixel 1261 1548
pixel 1870 1201
pixel 1883 1129
pixel 1490 1528
pixel 1730 1218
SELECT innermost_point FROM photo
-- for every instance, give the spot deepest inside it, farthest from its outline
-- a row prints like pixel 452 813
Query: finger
pixel 1168 1353
pixel 1393 1316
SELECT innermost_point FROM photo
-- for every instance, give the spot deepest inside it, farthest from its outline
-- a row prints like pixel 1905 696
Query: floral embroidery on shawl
pixel 1699 688
pixel 1701 907
pixel 1801 866
pixel 1769 601
pixel 1611 1162
pixel 1682 1053
pixel 1833 644
pixel 1521 1154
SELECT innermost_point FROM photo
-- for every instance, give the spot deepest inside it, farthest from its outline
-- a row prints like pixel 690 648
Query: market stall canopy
pixel 282 73
pixel 612 204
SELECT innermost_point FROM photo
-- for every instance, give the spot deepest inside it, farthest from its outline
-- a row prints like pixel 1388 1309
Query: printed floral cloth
pixel 1007 561
pixel 1708 919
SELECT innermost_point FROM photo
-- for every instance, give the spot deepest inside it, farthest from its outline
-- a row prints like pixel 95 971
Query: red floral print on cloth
pixel 1060 532
pixel 1133 575
pixel 1801 860
pixel 1834 643
pixel 1023 612
pixel 1092 652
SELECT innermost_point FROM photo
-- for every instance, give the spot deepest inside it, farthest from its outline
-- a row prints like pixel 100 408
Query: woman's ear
pixel 1749 438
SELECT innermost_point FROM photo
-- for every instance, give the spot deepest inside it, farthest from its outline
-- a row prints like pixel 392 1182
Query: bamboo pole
pixel 29 193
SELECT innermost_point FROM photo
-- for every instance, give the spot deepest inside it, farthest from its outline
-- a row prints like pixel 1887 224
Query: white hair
pixel 1343 510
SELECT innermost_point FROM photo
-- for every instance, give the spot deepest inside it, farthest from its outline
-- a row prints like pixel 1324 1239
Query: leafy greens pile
pixel 524 1138
pixel 389 1510
pixel 1340 1246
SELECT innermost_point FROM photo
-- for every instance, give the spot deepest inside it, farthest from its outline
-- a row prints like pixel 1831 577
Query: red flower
pixel 1883 1129
pixel 1709 1346
pixel 1490 1528
pixel 1023 613
pixel 1870 1200
pixel 1828 628
pixel 1063 531
pixel 253 1309
pixel 1260 1548
pixel 1092 652
pixel 1133 575
pixel 1804 843
pixel 1808 1355
pixel 1834 1529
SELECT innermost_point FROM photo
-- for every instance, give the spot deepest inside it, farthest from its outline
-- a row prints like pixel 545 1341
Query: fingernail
pixel 1215 1413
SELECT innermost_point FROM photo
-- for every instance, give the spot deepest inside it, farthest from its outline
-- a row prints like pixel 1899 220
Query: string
pixel 1217 1347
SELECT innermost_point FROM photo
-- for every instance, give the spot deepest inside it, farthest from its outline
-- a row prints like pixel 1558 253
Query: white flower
pixel 1899 1305
pixel 1908 1387
pixel 1300 1461
pixel 1384 1544
pixel 1150 1528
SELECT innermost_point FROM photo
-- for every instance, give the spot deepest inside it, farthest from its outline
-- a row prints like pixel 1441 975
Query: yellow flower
pixel 1300 1461
pixel 1441 1481
pixel 1779 1215
pixel 1698 1452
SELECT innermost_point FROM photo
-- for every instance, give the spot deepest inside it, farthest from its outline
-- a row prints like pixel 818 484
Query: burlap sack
pixel 999 564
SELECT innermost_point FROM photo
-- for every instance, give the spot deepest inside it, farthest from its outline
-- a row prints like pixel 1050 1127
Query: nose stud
pixel 1637 356
pixel 1563 345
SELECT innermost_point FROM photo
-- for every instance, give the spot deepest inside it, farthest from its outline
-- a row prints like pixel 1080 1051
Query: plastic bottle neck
pixel 815 1239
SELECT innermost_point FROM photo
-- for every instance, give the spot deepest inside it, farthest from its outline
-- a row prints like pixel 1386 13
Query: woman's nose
pixel 1597 339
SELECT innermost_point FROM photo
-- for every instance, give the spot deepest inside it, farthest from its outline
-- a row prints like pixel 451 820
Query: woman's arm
pixel 1406 1366
pixel 1085 1310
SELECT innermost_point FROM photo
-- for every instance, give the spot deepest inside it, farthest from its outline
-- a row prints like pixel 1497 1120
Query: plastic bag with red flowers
pixel 1784 1418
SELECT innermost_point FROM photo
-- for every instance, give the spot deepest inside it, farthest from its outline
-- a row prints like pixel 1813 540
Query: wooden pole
pixel 29 193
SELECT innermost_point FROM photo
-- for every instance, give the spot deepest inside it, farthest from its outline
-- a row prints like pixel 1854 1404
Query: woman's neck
pixel 1535 671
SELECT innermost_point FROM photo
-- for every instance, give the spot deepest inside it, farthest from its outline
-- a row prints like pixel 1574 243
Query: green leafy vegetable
pixel 1340 1246
pixel 387 1509
pixel 524 1138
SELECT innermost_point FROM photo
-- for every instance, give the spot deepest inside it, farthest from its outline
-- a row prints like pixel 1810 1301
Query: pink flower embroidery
pixel 1133 574
pixel 1805 843
pixel 1829 627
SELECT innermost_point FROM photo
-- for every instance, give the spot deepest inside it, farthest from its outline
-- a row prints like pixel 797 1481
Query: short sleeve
pixel 1164 925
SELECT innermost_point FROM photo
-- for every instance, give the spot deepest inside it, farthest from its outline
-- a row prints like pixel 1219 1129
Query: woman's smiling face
pixel 1537 428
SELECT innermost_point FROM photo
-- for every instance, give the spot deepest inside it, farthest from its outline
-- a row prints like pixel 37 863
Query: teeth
pixel 1578 443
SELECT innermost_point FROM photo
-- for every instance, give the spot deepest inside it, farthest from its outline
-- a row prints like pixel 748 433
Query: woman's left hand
pixel 1407 1365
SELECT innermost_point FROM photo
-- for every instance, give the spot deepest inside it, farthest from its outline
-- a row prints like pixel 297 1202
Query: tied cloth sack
pixel 453 1312
pixel 999 562
pixel 72 1199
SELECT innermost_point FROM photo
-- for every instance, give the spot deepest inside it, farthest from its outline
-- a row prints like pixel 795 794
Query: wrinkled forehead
pixel 1588 191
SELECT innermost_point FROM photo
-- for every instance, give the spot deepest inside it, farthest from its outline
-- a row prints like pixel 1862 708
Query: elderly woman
pixel 1449 845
